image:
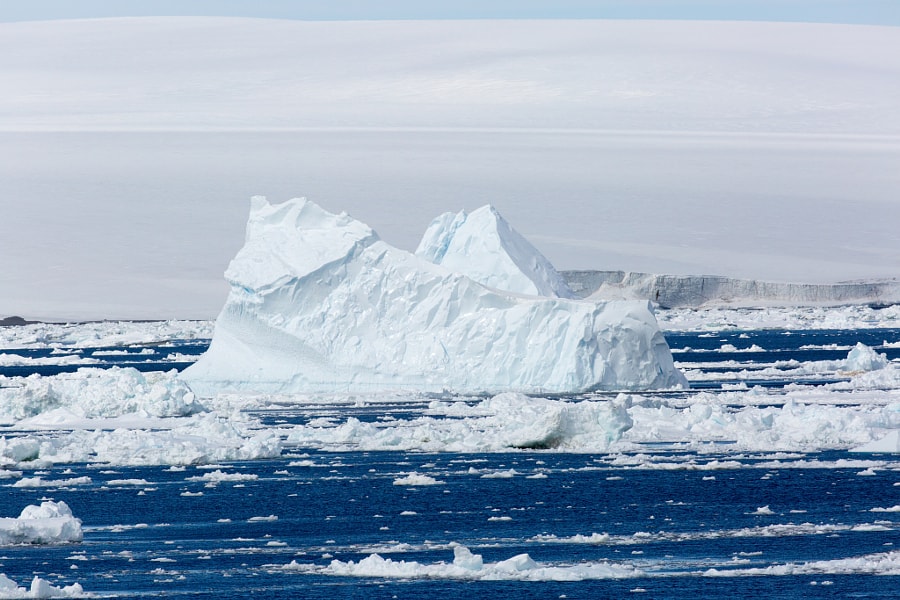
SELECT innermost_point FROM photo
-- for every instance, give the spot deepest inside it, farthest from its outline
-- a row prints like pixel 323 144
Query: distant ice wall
pixel 684 291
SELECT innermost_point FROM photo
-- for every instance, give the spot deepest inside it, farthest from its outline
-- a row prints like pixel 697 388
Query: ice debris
pixel 319 303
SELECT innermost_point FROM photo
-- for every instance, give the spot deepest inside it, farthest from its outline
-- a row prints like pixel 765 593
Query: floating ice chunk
pixel 887 563
pixel 219 476
pixel 467 565
pixel 93 392
pixel 319 303
pixel 40 588
pixel 483 246
pixel 763 511
pixel 49 523
pixel 39 482
pixel 463 557
pixel 416 479
pixel 864 358
pixel 199 439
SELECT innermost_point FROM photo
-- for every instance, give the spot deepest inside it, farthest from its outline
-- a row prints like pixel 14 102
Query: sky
pixel 869 12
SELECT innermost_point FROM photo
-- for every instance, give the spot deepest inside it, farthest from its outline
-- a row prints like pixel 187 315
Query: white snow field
pixel 319 303
pixel 764 151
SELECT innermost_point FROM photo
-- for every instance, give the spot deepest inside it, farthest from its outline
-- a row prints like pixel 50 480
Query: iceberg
pixel 319 303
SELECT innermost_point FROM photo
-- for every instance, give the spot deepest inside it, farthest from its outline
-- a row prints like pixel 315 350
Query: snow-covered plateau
pixel 319 303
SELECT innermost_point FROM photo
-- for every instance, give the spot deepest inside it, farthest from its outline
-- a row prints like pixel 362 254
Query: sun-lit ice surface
pixel 48 523
pixel 92 393
pixel 469 566
pixel 319 303
pixel 39 588
pixel 484 247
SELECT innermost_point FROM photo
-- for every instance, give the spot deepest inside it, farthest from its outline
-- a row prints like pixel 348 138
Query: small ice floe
pixel 508 474
pixel 862 358
pixel 49 523
pixel 220 476
pixel 416 479
pixel 763 511
pixel 40 588
pixel 39 482
pixel 468 566
pixel 270 518
pixel 887 563
pixel 890 509
pixel 126 482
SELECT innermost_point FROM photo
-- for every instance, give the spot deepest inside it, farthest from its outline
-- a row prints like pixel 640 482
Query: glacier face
pixel 319 303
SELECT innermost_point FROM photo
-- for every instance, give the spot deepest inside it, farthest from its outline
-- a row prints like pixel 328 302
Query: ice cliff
pixel 692 291
pixel 319 303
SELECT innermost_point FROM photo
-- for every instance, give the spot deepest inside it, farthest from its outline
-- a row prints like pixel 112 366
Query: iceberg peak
pixel 483 246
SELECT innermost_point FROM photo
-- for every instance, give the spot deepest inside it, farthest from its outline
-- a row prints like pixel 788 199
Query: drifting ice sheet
pixel 319 303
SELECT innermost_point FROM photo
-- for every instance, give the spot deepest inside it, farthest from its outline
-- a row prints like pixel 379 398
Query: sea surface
pixel 667 522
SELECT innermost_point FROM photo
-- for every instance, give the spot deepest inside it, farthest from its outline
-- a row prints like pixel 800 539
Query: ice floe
pixel 40 588
pixel 48 523
pixel 469 566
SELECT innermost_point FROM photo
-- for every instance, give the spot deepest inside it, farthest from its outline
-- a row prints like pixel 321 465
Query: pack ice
pixel 319 303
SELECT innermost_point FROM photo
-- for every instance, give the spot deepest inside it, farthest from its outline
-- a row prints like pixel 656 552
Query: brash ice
pixel 319 303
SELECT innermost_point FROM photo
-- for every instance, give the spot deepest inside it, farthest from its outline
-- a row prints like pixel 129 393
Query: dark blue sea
pixel 749 529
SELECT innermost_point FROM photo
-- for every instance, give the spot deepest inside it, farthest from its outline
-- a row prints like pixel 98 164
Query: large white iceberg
pixel 319 303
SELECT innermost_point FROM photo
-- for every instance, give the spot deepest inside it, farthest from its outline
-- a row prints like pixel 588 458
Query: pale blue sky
pixel 873 12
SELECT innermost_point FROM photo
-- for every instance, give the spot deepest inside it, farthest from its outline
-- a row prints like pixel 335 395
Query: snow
pixel 484 247
pixel 686 148
pixel 49 523
pixel 319 303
